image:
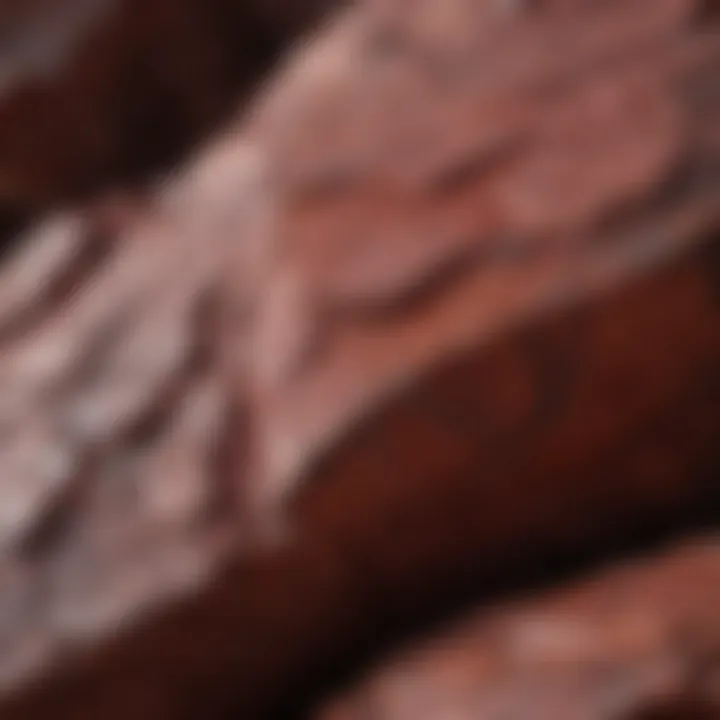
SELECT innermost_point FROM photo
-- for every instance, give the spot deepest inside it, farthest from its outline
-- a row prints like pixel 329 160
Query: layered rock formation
pixel 444 301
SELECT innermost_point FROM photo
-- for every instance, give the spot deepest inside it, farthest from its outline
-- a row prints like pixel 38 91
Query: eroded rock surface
pixel 639 642
pixel 447 298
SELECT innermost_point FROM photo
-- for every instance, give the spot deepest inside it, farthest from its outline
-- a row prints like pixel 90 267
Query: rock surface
pixel 640 642
pixel 445 301
pixel 98 92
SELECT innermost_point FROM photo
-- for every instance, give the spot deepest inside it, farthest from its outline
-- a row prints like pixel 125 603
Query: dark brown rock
pixel 95 92
pixel 638 642
pixel 447 299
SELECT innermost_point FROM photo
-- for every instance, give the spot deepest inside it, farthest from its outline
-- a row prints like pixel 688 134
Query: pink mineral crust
pixel 495 249
pixel 638 642
pixel 441 302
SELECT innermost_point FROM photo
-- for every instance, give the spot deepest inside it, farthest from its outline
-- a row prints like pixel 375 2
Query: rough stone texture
pixel 638 642
pixel 447 298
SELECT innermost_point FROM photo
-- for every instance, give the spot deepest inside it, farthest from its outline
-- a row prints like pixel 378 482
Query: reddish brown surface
pixel 641 642
pixel 445 302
